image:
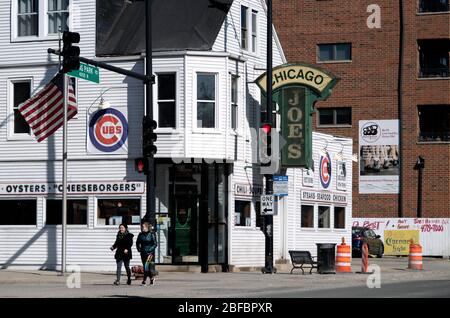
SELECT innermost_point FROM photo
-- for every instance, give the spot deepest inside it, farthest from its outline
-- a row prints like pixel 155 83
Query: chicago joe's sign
pixel 296 88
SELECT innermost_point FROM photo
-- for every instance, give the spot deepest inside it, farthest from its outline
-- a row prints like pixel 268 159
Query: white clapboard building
pixel 208 185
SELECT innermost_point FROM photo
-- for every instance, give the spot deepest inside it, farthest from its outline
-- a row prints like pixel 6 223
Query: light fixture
pixel 103 104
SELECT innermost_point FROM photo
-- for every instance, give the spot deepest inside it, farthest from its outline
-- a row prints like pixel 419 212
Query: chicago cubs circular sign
pixel 108 131
pixel 325 171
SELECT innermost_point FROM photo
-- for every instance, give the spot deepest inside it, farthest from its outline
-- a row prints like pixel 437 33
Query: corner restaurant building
pixel 208 181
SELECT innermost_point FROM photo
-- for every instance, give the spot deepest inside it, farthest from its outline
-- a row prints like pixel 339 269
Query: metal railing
pixel 426 6
pixel 429 72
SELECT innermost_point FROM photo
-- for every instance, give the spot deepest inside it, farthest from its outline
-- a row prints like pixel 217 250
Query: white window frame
pixel 25 226
pixel 250 32
pixel 46 14
pixel 234 105
pixel 44 210
pixel 216 128
pixel 252 213
pixel 177 100
pixel 95 210
pixel 345 218
pixel 10 101
pixel 254 33
pixel 43 34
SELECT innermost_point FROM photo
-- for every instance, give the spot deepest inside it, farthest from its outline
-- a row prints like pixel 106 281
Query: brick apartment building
pixel 335 36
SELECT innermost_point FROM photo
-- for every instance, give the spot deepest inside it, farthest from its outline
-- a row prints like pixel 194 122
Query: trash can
pixel 326 258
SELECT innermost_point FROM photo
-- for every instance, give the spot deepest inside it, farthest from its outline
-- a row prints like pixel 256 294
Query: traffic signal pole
pixel 150 194
pixel 268 219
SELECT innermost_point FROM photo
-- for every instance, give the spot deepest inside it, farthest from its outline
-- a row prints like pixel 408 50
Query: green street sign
pixel 87 72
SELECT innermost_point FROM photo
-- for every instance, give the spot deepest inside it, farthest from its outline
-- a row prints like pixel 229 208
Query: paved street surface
pixel 395 279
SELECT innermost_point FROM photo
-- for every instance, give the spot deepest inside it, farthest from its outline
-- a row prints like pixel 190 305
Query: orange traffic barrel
pixel 344 258
pixel 415 257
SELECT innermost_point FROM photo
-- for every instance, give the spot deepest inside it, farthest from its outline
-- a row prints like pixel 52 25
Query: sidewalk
pixel 241 284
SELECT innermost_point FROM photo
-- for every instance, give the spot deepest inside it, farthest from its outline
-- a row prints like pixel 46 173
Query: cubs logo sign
pixel 325 171
pixel 108 132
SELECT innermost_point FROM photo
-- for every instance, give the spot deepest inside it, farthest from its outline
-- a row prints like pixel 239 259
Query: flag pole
pixel 64 175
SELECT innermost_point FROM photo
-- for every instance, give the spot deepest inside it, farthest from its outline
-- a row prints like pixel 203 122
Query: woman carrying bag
pixel 122 245
pixel 146 245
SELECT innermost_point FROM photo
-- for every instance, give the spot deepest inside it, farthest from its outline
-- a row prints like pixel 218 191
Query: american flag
pixel 44 111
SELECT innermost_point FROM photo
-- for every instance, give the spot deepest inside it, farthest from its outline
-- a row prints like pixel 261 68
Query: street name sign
pixel 87 72
pixel 267 205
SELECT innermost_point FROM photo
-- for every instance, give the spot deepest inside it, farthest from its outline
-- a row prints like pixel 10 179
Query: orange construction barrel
pixel 415 257
pixel 343 258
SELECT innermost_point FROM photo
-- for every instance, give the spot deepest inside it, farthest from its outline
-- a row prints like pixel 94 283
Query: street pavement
pixel 394 280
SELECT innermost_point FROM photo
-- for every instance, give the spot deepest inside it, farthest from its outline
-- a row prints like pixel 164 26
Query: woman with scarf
pixel 124 241
pixel 146 245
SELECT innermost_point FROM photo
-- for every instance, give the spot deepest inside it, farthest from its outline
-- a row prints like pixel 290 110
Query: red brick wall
pixel 368 84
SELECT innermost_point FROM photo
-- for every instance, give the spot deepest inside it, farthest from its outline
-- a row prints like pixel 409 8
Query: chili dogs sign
pixel 108 132
pixel 296 87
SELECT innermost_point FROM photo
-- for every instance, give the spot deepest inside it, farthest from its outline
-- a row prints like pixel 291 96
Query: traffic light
pixel 265 144
pixel 70 53
pixel 141 165
pixel 148 137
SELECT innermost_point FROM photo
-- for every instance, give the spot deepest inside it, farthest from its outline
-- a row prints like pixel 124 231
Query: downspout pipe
pixel 400 106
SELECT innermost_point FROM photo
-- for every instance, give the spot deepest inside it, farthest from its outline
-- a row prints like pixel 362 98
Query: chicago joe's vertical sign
pixel 296 88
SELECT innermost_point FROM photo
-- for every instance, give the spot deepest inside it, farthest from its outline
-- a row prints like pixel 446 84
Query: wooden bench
pixel 302 258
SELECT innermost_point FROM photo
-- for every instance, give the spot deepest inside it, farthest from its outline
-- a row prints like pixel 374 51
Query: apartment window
pixel 335 52
pixel 234 101
pixel 307 216
pixel 335 116
pixel 434 123
pixel 76 212
pixel 434 58
pixel 324 217
pixel 18 212
pixel 117 211
pixel 434 6
pixel 254 31
pixel 21 91
pixel 167 100
pixel 242 213
pixel 339 217
pixel 28 18
pixel 58 15
pixel 244 28
pixel 206 100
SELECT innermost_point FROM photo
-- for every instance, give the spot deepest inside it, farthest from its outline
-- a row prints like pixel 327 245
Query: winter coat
pixel 121 244
pixel 146 243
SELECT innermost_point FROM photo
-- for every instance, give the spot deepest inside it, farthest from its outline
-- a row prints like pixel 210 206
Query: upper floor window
pixel 206 100
pixel 27 17
pixel 335 116
pixel 434 58
pixel 254 31
pixel 21 91
pixel 34 18
pixel 334 52
pixel 166 100
pixel 249 29
pixel 234 101
pixel 244 28
pixel 434 6
pixel 434 122
pixel 58 15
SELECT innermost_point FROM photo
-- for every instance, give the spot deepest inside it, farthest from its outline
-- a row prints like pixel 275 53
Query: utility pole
pixel 268 219
pixel 150 177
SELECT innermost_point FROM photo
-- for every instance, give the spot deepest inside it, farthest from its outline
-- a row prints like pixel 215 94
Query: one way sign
pixel 267 205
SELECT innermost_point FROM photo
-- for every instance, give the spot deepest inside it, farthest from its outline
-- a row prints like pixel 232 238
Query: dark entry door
pixel 185 227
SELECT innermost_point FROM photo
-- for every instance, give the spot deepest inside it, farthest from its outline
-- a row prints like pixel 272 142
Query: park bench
pixel 302 258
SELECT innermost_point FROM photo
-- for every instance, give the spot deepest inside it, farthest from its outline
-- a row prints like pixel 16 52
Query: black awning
pixel 177 25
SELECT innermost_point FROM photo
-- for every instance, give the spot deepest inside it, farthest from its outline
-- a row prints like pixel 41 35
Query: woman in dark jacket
pixel 146 245
pixel 124 241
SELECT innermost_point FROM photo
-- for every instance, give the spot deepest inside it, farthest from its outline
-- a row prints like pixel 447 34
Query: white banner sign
pixel 341 176
pixel 379 156
pixel 308 178
pixel 72 188
pixel 328 197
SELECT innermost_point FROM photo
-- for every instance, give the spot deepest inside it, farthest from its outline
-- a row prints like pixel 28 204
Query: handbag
pixel 150 265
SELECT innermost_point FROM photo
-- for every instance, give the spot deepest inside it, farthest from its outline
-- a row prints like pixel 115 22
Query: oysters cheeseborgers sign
pixel 296 88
